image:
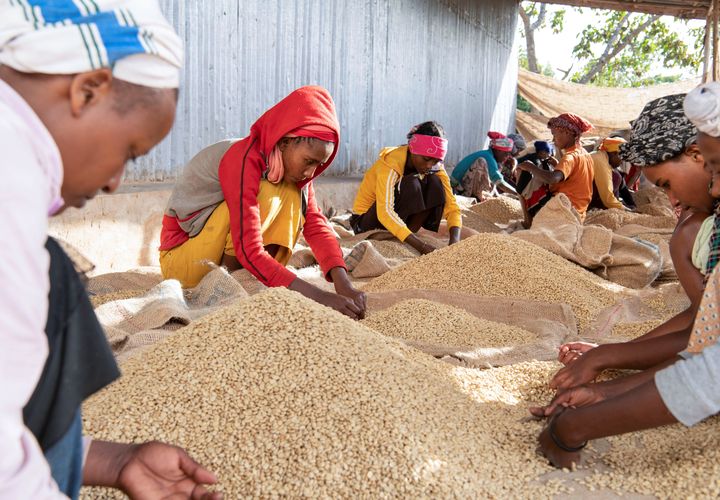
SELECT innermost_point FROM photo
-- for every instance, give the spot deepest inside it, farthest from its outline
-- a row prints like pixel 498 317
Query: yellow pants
pixel 281 221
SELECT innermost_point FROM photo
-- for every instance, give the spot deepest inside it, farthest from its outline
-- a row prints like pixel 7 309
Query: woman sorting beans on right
pixel 676 388
pixel 673 161
pixel 407 189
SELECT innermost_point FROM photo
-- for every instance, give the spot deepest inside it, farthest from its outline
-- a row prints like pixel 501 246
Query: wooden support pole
pixel 716 37
pixel 707 46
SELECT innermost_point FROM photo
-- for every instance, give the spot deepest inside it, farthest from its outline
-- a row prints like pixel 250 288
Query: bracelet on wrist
pixel 558 442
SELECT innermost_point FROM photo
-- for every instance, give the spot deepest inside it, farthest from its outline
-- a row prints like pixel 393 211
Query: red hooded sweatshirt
pixel 240 172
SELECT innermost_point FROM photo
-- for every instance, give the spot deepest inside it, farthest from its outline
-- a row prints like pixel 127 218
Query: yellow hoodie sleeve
pixel 451 213
pixel 603 180
pixel 387 179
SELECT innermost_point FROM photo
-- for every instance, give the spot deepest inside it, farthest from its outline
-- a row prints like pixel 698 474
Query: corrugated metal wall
pixel 388 63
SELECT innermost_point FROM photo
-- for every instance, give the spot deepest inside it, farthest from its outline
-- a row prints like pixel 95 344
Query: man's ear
pixel 89 89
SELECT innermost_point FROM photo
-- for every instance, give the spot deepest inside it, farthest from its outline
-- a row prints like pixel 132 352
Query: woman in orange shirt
pixel 573 175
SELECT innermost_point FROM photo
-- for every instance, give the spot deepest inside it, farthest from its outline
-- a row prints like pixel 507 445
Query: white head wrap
pixel 702 107
pixel 65 37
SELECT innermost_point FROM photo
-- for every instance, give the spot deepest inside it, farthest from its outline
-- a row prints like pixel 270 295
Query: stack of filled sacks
pixel 630 262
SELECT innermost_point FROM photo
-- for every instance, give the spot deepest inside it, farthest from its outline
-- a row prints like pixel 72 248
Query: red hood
pixel 311 105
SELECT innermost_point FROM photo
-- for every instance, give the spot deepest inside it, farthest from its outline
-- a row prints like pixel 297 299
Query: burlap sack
pixel 341 230
pixel 557 228
pixel 657 236
pixel 478 223
pixel 614 219
pixel 143 279
pixel 653 201
pixel 135 323
pixel 302 257
pixel 248 282
pixel 662 241
pixel 552 323
pixel 635 263
pixel 364 261
pixel 630 262
pixel 647 304
pixel 644 232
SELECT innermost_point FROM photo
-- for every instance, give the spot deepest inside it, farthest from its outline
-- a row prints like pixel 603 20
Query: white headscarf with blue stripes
pixel 65 37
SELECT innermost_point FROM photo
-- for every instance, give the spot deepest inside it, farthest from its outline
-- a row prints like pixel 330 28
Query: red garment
pixel 632 178
pixel 241 170
pixel 171 234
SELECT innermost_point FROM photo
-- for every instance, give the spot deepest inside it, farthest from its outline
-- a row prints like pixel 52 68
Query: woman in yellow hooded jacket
pixel 407 189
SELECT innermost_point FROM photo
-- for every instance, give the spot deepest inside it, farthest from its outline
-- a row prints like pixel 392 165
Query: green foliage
pixel 558 21
pixel 619 74
pixel 533 12
pixel 658 43
pixel 640 54
pixel 522 104
pixel 531 8
pixel 546 70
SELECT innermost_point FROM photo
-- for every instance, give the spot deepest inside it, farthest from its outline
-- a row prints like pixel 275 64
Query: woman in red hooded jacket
pixel 242 203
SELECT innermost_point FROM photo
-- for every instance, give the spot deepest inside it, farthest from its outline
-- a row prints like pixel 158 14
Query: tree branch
pixel 611 51
pixel 541 17
pixel 565 72
pixel 530 40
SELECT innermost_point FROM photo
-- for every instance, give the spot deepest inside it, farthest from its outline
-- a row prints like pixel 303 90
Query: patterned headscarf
pixel 65 37
pixel 660 133
pixel 500 142
pixel 572 122
pixel 518 143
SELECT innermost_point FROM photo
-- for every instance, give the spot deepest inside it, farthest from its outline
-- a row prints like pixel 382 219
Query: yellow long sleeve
pixel 387 179
pixel 603 180
pixel 451 213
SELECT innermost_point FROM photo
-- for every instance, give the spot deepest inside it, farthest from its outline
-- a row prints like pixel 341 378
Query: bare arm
pixel 629 355
pixel 419 244
pixel 548 177
pixel 588 394
pixel 638 409
pixel 340 303
pixel 681 248
pixel 506 188
pixel 691 279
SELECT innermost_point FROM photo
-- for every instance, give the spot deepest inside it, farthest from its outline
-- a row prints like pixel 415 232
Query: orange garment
pixel 577 166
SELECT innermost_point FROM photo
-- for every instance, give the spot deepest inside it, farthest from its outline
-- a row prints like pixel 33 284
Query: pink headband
pixel 428 145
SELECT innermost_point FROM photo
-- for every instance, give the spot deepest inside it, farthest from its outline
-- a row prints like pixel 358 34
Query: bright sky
pixel 560 46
